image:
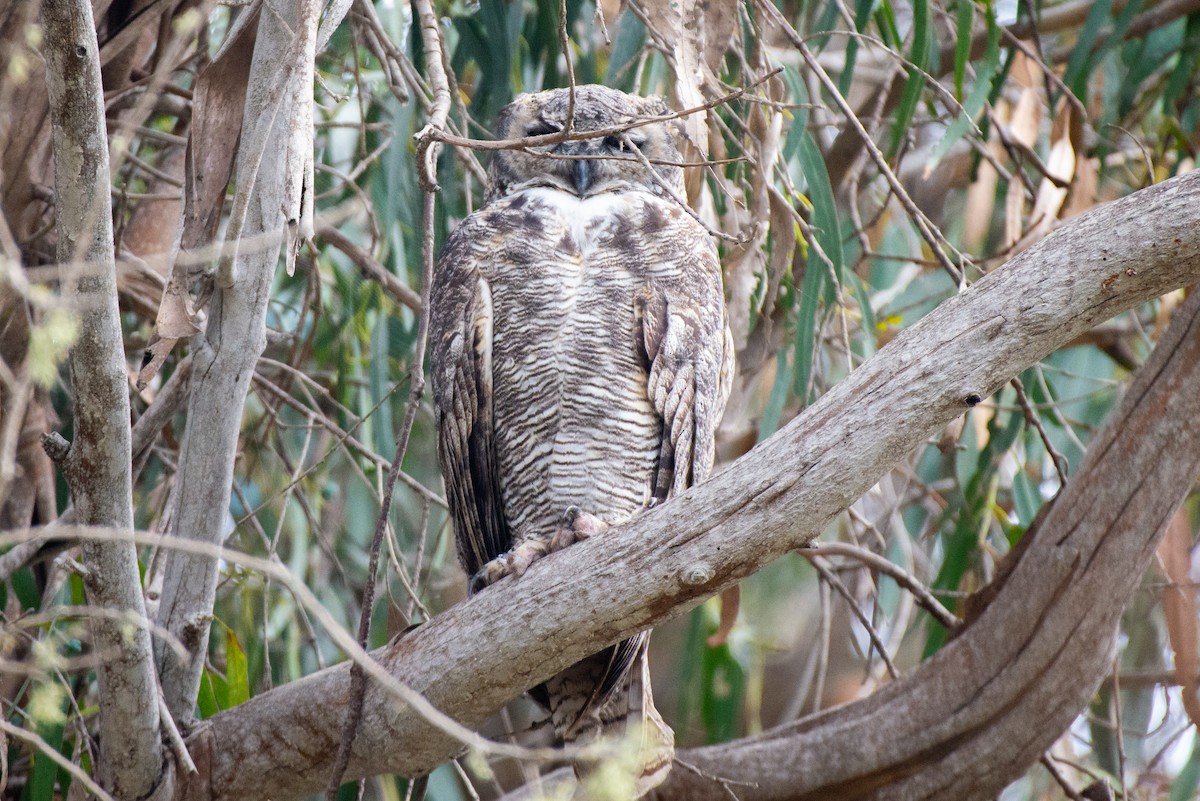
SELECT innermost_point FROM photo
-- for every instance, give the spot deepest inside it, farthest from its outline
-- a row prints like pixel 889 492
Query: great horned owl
pixel 581 356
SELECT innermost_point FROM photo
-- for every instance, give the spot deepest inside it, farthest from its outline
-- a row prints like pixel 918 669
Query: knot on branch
pixel 55 446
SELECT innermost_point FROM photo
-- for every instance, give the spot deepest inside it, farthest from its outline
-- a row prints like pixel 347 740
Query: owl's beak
pixel 582 171
pixel 581 176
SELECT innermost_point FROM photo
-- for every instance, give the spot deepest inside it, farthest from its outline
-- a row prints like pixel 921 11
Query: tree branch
pixel 975 716
pixel 480 654
pixel 224 356
pixel 97 466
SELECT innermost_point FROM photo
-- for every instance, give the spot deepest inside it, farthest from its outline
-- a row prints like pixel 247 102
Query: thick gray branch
pixel 981 711
pixel 472 659
pixel 97 466
pixel 224 356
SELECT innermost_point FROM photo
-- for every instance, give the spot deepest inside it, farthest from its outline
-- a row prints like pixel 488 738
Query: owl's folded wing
pixel 461 336
pixel 688 349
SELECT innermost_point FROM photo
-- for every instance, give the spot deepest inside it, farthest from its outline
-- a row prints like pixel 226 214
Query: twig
pixel 369 266
pixel 613 130
pixel 427 150
pixel 564 40
pixel 1048 763
pixel 679 201
pixel 178 746
pixel 723 782
pixel 841 590
pixel 1119 730
pixel 1031 417
pixel 337 633
pixel 50 752
pixel 902 577
pixel 429 138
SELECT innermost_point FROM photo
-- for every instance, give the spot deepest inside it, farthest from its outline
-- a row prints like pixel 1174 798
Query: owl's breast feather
pixel 573 418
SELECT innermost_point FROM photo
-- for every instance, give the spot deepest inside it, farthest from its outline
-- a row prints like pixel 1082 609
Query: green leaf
pixel 807 326
pixel 237 676
pixel 769 423
pixel 1184 788
pixel 922 36
pixel 49 725
pixel 1185 68
pixel 724 683
pixel 973 105
pixel 628 43
pixel 206 700
pixel 825 222
pixel 817 283
pixel 972 512
pixel 1075 76
pixel 885 19
pixel 962 46
pixel 862 13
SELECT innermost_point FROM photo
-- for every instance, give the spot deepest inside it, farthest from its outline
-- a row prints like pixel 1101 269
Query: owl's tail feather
pixel 581 712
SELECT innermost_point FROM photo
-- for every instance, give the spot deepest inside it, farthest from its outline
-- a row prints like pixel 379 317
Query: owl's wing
pixel 461 334
pixel 689 356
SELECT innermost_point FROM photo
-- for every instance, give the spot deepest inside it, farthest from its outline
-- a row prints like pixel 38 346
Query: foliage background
pixel 994 133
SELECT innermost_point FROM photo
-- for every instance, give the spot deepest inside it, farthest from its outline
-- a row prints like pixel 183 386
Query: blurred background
pixel 998 121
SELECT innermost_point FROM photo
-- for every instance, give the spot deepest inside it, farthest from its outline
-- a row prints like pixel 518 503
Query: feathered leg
pixel 577 525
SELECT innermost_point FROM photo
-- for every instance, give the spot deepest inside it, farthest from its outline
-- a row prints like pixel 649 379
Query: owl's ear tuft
pixel 505 118
pixel 655 106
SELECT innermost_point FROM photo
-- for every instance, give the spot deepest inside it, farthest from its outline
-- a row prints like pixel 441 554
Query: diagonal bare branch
pixel 474 658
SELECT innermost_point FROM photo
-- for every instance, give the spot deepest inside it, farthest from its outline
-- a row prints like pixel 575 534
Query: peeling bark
pixel 225 354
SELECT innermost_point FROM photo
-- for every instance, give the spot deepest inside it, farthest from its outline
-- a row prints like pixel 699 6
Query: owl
pixel 581 358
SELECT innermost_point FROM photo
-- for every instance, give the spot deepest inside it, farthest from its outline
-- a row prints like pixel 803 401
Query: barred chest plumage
pixel 572 415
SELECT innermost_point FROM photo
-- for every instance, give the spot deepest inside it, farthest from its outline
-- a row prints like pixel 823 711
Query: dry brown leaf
pixel 981 201
pixel 1060 165
pixel 217 104
pixel 716 21
pixel 1179 609
pixel 731 602
pixel 1022 128
pixel 744 263
pixel 680 24
pixel 152 359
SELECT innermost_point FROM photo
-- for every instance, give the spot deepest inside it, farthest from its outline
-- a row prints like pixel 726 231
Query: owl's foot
pixel 512 563
pixel 577 526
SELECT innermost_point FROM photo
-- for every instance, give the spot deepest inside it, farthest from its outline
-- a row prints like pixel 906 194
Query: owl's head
pixel 588 166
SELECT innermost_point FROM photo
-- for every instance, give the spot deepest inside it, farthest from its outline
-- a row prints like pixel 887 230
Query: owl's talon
pixel 489 574
pixel 525 554
pixel 510 563
pixel 577 526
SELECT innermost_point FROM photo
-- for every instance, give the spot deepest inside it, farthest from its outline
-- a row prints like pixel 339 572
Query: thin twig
pixel 902 577
pixel 679 201
pixel 336 631
pixel 564 40
pixel 841 590
pixel 1120 732
pixel 178 746
pixel 613 130
pixel 1048 763
pixel 429 137
pixel 51 753
pixel 1031 417
pixel 358 680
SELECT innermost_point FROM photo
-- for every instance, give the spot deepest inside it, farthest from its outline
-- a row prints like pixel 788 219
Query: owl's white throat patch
pixel 588 217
